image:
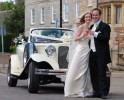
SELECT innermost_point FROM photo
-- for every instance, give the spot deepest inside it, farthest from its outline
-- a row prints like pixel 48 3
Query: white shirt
pixel 97 24
pixel 92 44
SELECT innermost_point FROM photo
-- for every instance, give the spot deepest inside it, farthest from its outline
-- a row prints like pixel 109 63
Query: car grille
pixel 62 56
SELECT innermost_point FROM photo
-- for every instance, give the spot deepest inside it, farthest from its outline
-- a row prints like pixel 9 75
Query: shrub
pixel 12 49
pixel 7 42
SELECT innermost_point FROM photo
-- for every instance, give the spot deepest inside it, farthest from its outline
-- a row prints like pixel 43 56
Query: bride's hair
pixel 83 17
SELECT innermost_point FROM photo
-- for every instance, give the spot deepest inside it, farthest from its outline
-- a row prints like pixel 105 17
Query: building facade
pixel 46 13
pixel 113 14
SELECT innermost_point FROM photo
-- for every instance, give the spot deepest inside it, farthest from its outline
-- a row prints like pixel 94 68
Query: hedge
pixel 8 41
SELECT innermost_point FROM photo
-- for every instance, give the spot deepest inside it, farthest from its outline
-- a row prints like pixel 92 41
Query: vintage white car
pixel 42 59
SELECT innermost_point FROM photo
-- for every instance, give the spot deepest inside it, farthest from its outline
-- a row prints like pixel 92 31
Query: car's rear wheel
pixel 12 81
pixel 33 79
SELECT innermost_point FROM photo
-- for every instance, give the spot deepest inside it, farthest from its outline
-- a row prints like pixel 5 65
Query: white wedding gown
pixel 78 83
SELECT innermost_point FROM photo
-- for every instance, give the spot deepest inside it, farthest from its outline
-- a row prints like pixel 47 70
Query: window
pixel 77 9
pixel 42 15
pixel 118 15
pixel 90 2
pixel 53 13
pixel 66 11
pixel 109 15
pixel 32 16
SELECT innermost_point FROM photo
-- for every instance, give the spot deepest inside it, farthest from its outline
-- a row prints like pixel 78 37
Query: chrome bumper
pixel 50 72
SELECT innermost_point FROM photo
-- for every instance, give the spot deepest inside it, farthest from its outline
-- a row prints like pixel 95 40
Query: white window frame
pixel 42 15
pixel 76 9
pixel 66 12
pixel 90 2
pixel 32 16
pixel 53 14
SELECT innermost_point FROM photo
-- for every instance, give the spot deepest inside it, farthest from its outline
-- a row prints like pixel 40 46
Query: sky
pixel 5 0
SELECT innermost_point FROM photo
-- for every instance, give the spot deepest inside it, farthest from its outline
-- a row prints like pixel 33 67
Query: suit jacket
pixel 102 42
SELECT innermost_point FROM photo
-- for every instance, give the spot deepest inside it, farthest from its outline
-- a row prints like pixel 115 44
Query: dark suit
pixel 100 59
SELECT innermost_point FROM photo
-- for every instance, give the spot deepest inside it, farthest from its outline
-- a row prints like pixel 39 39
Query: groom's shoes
pixel 99 96
pixel 103 97
pixel 95 95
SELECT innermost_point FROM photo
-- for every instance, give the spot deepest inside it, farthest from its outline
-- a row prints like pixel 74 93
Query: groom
pixel 99 55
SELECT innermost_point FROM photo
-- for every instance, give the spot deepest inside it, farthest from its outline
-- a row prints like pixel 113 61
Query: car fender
pixel 42 58
pixel 16 67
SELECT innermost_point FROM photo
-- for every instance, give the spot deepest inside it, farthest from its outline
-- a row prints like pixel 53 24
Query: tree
pixel 14 23
pixel 6 6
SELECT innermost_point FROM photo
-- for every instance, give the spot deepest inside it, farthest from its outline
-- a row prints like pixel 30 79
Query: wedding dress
pixel 78 82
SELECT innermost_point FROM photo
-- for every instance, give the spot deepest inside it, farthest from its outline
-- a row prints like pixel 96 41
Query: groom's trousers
pixel 98 74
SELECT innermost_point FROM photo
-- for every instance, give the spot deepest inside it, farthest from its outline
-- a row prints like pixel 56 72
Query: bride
pixel 78 83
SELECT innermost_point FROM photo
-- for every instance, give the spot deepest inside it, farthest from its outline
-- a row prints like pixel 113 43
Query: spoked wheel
pixel 33 79
pixel 12 82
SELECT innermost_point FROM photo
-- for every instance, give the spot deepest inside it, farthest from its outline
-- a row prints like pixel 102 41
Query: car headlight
pixel 50 50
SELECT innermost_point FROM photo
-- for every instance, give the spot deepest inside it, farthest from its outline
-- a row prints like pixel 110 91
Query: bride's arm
pixel 79 33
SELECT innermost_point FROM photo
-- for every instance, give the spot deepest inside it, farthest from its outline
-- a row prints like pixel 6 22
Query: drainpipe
pixel 97 3
pixel 60 13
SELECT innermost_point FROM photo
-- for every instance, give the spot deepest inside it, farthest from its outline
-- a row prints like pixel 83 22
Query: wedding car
pixel 42 59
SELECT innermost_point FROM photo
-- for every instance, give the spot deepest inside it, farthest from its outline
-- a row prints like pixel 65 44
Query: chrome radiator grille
pixel 62 56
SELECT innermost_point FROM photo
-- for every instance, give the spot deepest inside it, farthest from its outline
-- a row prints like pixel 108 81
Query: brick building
pixel 113 14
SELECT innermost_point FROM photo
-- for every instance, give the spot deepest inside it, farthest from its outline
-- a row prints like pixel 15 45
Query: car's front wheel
pixel 12 81
pixel 33 79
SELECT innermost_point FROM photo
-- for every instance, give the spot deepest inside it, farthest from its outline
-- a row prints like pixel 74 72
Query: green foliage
pixel 14 23
pixel 12 49
pixel 6 6
pixel 8 41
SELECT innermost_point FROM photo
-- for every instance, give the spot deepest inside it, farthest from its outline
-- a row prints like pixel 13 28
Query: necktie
pixel 92 44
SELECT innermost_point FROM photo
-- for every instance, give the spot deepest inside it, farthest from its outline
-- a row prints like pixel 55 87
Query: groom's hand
pixel 91 32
